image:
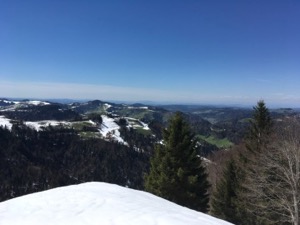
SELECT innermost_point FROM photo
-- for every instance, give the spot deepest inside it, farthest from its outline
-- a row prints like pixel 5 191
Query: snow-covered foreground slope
pixel 98 203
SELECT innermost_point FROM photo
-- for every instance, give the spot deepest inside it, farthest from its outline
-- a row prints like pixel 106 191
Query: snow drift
pixel 98 203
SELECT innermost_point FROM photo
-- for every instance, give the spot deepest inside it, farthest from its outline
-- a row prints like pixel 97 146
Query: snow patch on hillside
pixel 14 105
pixel 98 203
pixel 37 103
pixel 5 122
pixel 45 123
pixel 135 123
pixel 141 107
pixel 107 106
pixel 10 102
pixel 110 130
pixel 145 126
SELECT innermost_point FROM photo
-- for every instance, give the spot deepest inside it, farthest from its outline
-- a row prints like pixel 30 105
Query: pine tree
pixel 176 172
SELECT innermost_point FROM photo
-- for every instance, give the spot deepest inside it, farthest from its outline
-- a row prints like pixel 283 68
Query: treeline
pixel 45 112
pixel 33 161
pixel 258 181
pixel 255 183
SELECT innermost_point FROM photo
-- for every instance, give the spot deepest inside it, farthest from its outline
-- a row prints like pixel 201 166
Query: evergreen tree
pixel 176 172
pixel 257 142
pixel 231 199
pixel 260 128
pixel 224 202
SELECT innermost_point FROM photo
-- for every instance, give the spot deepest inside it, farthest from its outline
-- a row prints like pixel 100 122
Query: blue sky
pixel 195 51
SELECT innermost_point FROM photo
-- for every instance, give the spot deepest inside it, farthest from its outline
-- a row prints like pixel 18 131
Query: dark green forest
pixel 32 161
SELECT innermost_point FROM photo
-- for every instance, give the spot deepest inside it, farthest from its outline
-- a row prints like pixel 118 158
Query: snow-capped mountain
pixel 98 203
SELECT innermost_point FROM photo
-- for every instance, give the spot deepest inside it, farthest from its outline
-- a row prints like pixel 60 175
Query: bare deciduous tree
pixel 273 178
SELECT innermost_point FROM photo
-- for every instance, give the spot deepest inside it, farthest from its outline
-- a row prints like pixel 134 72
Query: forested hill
pixel 45 144
pixel 215 127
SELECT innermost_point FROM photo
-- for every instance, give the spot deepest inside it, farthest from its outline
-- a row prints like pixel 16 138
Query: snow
pixel 206 160
pixel 145 126
pixel 135 123
pixel 45 123
pixel 5 122
pixel 98 203
pixel 17 104
pixel 9 102
pixel 107 106
pixel 38 103
pixel 142 107
pixel 109 129
pixel 92 122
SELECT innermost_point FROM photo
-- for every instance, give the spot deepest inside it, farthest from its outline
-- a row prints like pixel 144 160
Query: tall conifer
pixel 176 171
pixel 260 128
pixel 224 202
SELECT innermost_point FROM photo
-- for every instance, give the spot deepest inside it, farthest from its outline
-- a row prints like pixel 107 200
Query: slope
pixel 98 203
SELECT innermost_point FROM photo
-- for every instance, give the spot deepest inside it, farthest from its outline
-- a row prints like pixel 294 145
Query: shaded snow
pixel 4 122
pixel 98 203
pixel 205 160
pixel 110 129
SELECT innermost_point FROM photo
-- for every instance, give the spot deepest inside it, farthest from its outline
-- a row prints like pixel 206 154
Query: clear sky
pixel 180 51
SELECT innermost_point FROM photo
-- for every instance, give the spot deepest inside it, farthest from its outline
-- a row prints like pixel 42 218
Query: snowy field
pixel 37 103
pixel 109 128
pixel 17 104
pixel 45 123
pixel 5 122
pixel 135 123
pixel 98 203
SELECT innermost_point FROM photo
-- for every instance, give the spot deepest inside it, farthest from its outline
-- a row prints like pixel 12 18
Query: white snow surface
pixel 98 203
pixel 107 106
pixel 5 122
pixel 45 123
pixel 134 123
pixel 38 103
pixel 145 126
pixel 109 129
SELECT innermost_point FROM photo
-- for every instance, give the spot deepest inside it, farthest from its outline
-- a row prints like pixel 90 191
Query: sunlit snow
pixel 107 106
pixel 135 123
pixel 45 123
pixel 142 107
pixel 38 103
pixel 110 130
pixel 4 122
pixel 98 203
pixel 145 126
